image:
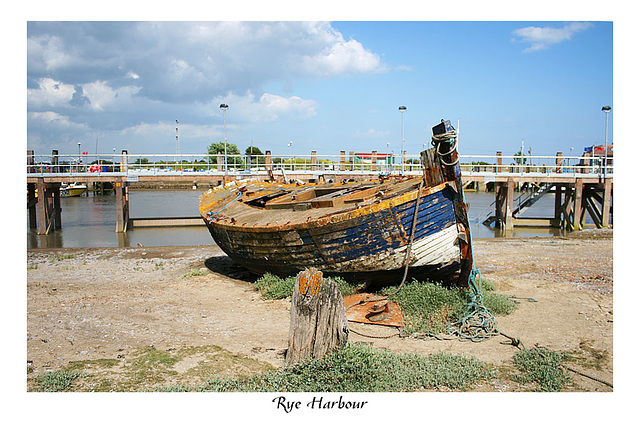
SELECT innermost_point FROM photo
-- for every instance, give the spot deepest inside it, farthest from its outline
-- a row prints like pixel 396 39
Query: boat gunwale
pixel 334 217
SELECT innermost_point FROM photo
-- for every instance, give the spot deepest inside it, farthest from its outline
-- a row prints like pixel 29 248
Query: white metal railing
pixel 199 164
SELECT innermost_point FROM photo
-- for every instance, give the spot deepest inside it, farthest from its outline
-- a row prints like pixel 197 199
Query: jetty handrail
pixel 194 164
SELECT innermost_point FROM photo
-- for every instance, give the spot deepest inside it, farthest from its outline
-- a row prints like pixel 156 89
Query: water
pixel 90 221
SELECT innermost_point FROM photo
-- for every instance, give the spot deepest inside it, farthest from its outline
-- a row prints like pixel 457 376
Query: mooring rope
pixel 211 214
pixel 410 244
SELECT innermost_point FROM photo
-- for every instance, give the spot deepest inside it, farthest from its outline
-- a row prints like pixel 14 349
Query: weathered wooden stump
pixel 318 319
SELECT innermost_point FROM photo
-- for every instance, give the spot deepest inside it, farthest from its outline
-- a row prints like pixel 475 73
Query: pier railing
pixel 193 165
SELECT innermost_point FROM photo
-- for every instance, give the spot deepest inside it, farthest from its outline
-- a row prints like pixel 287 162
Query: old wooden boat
pixel 375 231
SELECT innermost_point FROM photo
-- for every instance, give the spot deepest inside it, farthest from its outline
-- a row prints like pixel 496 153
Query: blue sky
pixel 326 86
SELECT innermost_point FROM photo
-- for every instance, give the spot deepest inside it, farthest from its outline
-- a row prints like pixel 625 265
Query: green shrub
pixel 358 368
pixel 541 367
pixel 57 380
pixel 429 307
pixel 274 287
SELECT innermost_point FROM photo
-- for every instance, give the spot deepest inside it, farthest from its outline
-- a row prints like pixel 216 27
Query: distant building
pixel 594 157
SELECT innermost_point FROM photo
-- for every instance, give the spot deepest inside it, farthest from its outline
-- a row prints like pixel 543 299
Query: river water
pixel 89 221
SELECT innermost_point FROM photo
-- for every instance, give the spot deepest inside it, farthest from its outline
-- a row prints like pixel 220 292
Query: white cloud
pixel 541 38
pixel 50 93
pixel 55 120
pixel 268 107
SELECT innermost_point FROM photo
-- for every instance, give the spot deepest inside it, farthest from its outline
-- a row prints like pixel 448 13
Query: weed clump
pixel 358 368
pixel 57 380
pixel 541 367
pixel 274 287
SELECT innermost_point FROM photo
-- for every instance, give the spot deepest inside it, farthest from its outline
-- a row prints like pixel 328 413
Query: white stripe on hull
pixel 439 248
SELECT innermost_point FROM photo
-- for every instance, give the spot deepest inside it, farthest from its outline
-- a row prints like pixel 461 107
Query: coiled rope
pixel 436 140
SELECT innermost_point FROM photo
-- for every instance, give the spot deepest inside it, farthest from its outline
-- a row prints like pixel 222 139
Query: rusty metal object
pixel 373 309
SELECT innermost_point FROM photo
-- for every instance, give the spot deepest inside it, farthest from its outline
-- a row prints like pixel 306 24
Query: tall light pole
pixel 177 142
pixel 402 109
pixel 224 108
pixel 606 110
pixel 79 144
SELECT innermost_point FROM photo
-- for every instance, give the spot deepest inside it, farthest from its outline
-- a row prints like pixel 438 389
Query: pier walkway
pixel 582 185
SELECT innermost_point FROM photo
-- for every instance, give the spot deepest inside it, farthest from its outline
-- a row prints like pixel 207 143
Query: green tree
pixel 253 154
pixel 520 160
pixel 233 154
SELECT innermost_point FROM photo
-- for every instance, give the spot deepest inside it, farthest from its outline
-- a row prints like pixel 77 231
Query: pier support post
pixel 31 205
pixel 509 205
pixel 557 213
pixel 374 161
pixel 578 208
pixel 122 205
pixel 352 155
pixel 499 161
pixel 606 204
pixel 47 207
pixel 267 160
pixel 342 155
pixel 314 160
pixel 504 204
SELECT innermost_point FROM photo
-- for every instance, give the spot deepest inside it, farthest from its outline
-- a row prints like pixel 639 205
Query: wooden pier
pixel 576 194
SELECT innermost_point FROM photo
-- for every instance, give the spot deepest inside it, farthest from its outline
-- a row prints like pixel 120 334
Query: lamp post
pixel 606 110
pixel 79 144
pixel 290 145
pixel 402 109
pixel 224 108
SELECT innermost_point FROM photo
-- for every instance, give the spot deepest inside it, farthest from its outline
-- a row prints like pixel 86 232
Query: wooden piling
pixel 314 160
pixel 342 155
pixel 606 204
pixel 578 208
pixel 122 205
pixel 374 161
pixel 318 318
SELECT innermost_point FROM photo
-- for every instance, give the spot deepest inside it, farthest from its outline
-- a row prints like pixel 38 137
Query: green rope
pixel 478 324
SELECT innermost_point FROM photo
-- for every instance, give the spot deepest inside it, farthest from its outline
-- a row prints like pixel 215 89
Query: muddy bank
pixel 104 304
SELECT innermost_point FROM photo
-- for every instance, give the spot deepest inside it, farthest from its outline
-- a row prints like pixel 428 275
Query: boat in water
pixel 72 189
pixel 379 232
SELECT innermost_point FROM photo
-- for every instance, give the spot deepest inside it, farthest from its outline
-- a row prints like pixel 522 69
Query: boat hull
pixel 368 245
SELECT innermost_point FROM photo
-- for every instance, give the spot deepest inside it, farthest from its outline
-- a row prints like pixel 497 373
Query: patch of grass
pixel 194 273
pixel 428 307
pixel 57 380
pixel 542 368
pixel 53 258
pixel 274 287
pixel 358 368
pixel 95 363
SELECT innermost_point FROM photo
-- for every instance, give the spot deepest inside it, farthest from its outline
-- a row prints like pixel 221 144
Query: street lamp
pixel 606 110
pixel 79 144
pixel 402 109
pixel 290 144
pixel 224 108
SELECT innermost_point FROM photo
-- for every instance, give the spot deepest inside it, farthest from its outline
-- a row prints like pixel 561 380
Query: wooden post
pixel 30 161
pixel 318 318
pixel 41 206
pixel 509 205
pixel 31 205
pixel 606 204
pixel 267 160
pixel 374 161
pixel 342 153
pixel 577 206
pixel 559 162
pixel 352 156
pixel 431 168
pixel 499 161
pixel 54 161
pixel 557 216
pixel 314 160
pixel 122 206
pixel 57 208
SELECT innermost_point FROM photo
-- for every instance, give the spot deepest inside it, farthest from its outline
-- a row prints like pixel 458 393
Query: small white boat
pixel 72 190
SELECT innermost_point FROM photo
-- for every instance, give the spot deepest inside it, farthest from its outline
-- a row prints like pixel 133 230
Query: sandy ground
pixel 96 304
